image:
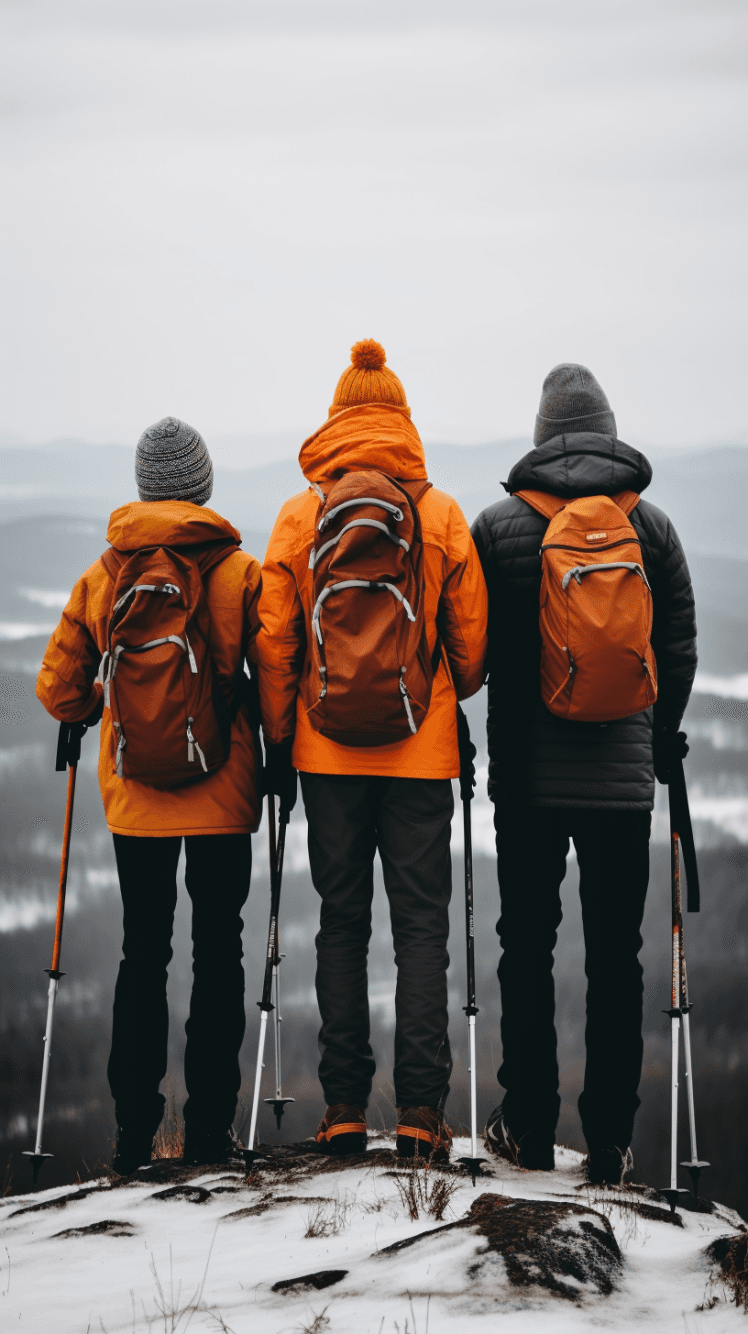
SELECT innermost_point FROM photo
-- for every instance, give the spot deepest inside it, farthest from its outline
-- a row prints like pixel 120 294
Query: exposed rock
pixel 324 1278
pixel 565 1248
pixel 195 1194
pixel 109 1227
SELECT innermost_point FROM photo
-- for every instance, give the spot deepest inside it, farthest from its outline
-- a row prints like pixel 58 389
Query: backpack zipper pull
pixel 406 701
pixel 193 664
pixel 120 747
pixel 193 746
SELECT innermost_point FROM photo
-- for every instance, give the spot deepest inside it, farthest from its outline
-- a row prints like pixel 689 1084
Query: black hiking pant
pixel 613 854
pixel 217 875
pixel 408 820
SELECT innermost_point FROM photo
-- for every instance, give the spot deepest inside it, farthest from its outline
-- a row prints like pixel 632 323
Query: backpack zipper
pixel 561 546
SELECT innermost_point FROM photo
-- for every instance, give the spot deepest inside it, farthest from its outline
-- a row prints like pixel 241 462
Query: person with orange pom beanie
pixel 394 796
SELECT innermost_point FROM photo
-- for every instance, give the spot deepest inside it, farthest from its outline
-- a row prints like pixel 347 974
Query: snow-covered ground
pixel 174 1248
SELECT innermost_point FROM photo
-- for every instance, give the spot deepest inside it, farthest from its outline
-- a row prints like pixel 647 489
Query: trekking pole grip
pixel 467 752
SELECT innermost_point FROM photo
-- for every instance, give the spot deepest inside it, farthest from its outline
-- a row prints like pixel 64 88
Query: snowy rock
pixel 368 1245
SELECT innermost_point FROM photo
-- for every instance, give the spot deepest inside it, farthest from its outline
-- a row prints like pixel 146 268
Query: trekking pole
pixel 467 783
pixel 69 740
pixel 266 1004
pixel 278 1103
pixel 681 835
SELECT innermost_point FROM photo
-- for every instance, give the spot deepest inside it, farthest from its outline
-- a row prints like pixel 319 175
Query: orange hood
pixel 370 435
pixel 168 523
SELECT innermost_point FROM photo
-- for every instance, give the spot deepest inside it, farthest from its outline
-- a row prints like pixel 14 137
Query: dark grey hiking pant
pixel 613 853
pixel 408 820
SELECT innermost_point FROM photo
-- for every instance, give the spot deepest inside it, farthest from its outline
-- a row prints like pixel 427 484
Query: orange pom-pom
pixel 368 355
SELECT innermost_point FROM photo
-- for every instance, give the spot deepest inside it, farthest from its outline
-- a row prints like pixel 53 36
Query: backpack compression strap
pixel 549 505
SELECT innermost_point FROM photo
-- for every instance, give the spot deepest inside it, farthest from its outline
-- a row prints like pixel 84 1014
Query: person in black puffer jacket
pixel 552 780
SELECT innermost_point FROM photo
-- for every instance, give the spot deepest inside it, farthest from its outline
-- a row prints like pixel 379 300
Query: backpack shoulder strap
pixel 627 501
pixel 210 555
pixel 550 505
pixel 113 560
pixel 542 502
pixel 416 490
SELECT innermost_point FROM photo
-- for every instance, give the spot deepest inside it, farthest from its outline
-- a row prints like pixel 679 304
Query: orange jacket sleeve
pixel 65 684
pixel 281 642
pixel 463 607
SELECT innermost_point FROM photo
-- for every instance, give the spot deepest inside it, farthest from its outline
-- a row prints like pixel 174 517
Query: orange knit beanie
pixel 367 380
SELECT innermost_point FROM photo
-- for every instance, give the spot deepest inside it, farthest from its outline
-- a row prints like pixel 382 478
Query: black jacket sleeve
pixel 674 621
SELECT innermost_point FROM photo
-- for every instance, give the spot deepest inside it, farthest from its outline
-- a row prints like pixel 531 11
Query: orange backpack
pixel 596 660
pixel 368 676
pixel 169 711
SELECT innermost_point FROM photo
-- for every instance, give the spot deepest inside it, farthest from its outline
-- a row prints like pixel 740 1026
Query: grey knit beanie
pixel 172 463
pixel 572 400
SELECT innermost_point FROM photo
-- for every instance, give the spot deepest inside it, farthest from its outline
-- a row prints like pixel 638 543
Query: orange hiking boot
pixel 342 1130
pixel 421 1133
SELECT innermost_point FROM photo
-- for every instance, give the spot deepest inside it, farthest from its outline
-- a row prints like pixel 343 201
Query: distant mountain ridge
pixel 705 492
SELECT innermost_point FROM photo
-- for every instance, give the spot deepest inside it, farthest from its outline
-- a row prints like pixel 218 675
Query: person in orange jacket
pixel 215 816
pixel 395 798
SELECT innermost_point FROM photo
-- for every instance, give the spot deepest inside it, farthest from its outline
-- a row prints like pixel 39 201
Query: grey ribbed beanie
pixel 572 400
pixel 172 463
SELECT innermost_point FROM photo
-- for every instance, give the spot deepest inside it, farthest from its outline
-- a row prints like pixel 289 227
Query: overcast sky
pixel 207 202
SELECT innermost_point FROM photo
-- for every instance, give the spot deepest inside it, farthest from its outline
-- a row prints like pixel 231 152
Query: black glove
pixel 667 747
pixel 467 757
pixel 94 716
pixel 281 779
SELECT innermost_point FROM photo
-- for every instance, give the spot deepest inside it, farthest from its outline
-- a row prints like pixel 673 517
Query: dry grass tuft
pixel 328 1218
pixel 420 1193
pixel 169 1142
pixel 319 1324
pixel 729 1256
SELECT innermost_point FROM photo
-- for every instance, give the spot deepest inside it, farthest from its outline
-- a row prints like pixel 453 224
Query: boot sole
pixel 343 1146
pixel 422 1146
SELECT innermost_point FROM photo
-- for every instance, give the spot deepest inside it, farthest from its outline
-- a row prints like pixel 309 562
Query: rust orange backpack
pixel 368 675
pixel 596 659
pixel 169 711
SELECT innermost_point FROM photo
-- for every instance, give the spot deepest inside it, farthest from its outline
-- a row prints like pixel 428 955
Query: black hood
pixel 582 464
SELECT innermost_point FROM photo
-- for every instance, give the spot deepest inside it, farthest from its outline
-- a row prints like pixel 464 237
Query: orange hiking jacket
pixel 226 802
pixel 371 436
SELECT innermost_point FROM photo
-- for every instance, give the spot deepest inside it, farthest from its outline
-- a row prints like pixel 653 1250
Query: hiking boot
pixel 210 1147
pixel 609 1166
pixel 421 1133
pixel 342 1130
pixel 132 1150
pixel 533 1150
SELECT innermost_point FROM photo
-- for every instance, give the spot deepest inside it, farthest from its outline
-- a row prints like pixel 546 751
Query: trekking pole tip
pixel 279 1106
pixel 671 1193
pixel 474 1166
pixel 37 1161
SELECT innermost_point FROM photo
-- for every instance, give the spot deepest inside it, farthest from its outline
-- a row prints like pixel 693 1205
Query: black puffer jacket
pixel 535 757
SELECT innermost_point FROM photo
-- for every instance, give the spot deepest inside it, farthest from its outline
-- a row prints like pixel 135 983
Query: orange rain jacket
pixel 226 802
pixel 371 436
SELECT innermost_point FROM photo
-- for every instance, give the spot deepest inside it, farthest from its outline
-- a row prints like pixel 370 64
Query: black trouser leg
pixel 613 853
pixel 219 867
pixel 531 847
pixel 147 869
pixel 342 843
pixel 413 833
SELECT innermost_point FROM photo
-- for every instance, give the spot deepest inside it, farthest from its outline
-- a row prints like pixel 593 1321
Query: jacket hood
pixel 581 464
pixel 371 435
pixel 169 523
